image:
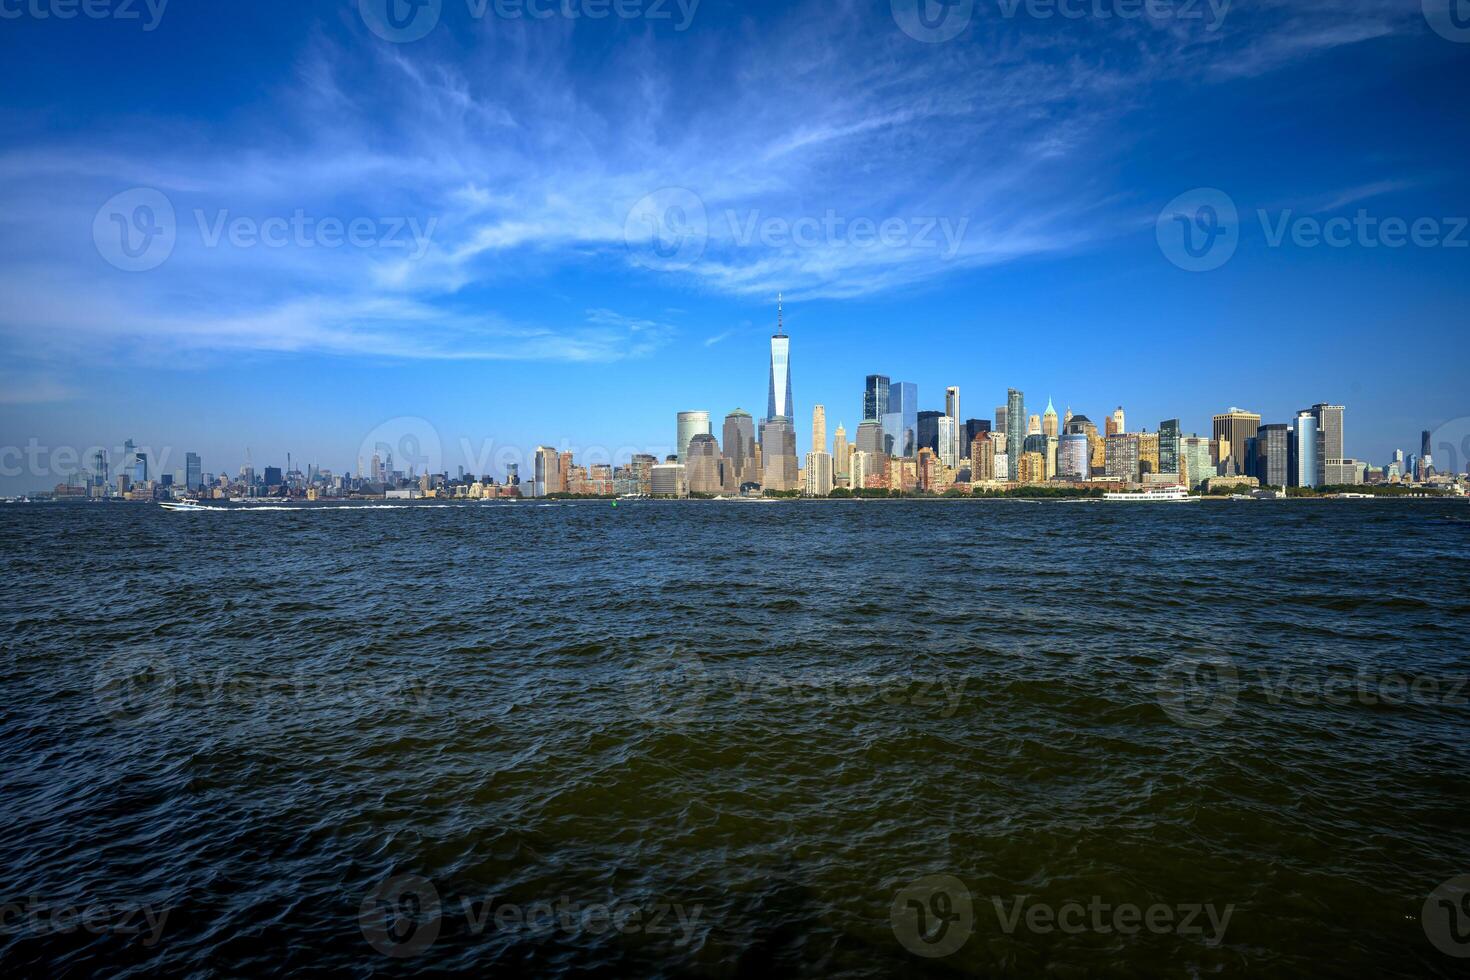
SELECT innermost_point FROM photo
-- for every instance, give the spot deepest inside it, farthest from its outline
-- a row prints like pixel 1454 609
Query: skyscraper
pixel 1237 427
pixel 1334 469
pixel 974 428
pixel 548 472
pixel 1050 424
pixel 739 449
pixel 875 398
pixel 1305 460
pixel 1073 460
pixel 778 455
pixel 690 424
pixel 702 464
pixel 841 452
pixel 819 429
pixel 779 405
pixel 901 422
pixel 1273 454
pixel 1015 427
pixel 949 441
pixel 870 437
pixel 193 472
pixel 1117 423
pixel 928 431
pixel 1169 436
pixel 952 403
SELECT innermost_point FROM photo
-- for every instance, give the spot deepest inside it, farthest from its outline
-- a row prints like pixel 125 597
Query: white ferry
pixel 1158 495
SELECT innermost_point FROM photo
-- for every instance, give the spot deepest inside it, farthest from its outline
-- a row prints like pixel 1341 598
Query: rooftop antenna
pixel 780 317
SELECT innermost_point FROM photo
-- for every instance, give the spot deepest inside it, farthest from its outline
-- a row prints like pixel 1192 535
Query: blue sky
pixel 568 229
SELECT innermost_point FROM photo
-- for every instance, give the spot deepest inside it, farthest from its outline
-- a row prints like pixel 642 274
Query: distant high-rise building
pixel 1117 423
pixel 1196 464
pixel 690 424
pixel 949 441
pixel 1335 469
pixel 273 476
pixel 778 454
pixel 818 474
pixel 1074 457
pixel 1015 427
pixel 1426 444
pixel 861 466
pixel 841 452
pixel 739 450
pixel 901 421
pixel 928 431
pixel 1033 425
pixel 702 465
pixel 982 458
pixel 1122 457
pixel 1000 418
pixel 973 429
pixel 547 478
pixel 1273 455
pixel 1050 424
pixel 668 480
pixel 870 437
pixel 1304 463
pixel 1169 436
pixel 819 428
pixel 875 398
pixel 193 472
pixel 1002 466
pixel 779 404
pixel 1237 427
pixel 952 402
pixel 140 467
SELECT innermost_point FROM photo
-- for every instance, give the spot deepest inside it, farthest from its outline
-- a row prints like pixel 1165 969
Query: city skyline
pixel 1310 450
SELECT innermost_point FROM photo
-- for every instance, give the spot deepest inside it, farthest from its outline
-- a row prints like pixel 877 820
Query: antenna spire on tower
pixel 780 316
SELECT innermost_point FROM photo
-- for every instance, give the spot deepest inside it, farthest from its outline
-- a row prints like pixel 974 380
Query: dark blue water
pixel 846 738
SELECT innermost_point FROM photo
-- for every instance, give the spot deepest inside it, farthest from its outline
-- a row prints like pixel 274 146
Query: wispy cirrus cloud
pixel 529 163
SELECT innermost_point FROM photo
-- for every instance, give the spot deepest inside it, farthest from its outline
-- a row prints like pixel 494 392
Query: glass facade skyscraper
pixel 1015 422
pixel 1306 452
pixel 901 421
pixel 1169 436
pixel 928 431
pixel 690 424
pixel 875 398
pixel 778 403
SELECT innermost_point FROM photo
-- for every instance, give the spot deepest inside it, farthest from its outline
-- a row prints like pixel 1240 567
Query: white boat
pixel 1158 495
